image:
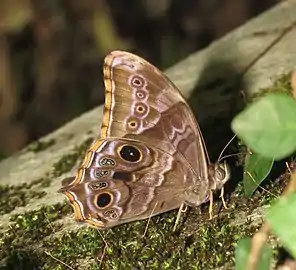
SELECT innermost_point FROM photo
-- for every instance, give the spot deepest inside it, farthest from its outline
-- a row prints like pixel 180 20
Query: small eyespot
pixel 137 81
pixel 104 199
pixel 140 94
pixel 107 162
pixel 130 153
pixel 101 173
pixel 132 124
pixel 111 213
pixel 141 109
pixel 98 185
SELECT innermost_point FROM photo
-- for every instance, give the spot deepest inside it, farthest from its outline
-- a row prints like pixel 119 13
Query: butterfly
pixel 150 157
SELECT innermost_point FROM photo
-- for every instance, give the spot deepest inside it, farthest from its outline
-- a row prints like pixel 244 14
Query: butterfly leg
pixel 182 209
pixel 211 205
pixel 222 197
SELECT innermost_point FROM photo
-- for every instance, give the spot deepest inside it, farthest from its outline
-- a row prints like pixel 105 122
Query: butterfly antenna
pixel 219 159
pixel 232 155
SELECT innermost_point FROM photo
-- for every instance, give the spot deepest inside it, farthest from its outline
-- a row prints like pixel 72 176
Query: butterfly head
pixel 219 174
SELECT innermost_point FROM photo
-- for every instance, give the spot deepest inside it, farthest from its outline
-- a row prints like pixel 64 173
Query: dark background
pixel 51 51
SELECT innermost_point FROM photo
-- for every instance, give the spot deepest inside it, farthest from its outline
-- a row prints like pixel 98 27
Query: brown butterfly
pixel 150 157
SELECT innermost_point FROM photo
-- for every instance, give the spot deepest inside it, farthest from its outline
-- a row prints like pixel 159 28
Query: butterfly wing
pixel 150 156
pixel 114 187
pixel 142 103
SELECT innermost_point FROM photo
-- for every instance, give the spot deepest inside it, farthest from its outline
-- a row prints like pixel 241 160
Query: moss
pixel 20 195
pixel 39 146
pixel 67 162
pixel 282 84
pixel 203 248
pixel 27 231
pixel 199 243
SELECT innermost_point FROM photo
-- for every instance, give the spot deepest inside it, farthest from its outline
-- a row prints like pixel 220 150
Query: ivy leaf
pixel 268 126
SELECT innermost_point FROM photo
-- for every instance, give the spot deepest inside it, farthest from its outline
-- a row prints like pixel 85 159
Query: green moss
pixel 199 243
pixel 203 248
pixel 282 84
pixel 27 231
pixel 39 146
pixel 20 195
pixel 67 162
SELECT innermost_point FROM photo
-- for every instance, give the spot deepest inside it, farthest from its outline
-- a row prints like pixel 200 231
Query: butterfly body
pixel 150 156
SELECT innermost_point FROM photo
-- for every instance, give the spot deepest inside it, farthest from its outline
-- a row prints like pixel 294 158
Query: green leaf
pixel 268 126
pixel 256 169
pixel 282 219
pixel 242 253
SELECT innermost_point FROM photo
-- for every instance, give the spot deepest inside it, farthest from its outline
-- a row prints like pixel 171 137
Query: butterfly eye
pixel 98 185
pixel 220 173
pixel 130 153
pixel 104 199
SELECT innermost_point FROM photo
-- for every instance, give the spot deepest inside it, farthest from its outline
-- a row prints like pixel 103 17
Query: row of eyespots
pixel 127 152
pixel 138 83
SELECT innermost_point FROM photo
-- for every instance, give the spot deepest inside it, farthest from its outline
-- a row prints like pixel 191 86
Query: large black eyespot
pixel 104 199
pixel 130 153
